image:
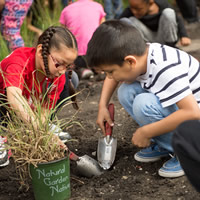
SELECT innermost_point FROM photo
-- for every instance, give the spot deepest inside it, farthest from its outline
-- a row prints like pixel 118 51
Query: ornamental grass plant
pixel 32 143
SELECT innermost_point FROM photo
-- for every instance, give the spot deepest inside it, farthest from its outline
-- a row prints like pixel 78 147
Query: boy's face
pixel 125 73
pixel 139 8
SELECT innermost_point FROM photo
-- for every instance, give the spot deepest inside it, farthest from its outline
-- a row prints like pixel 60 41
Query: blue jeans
pixel 145 108
pixel 113 8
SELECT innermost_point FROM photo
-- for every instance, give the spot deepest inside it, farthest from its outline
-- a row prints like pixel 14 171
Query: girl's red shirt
pixel 18 69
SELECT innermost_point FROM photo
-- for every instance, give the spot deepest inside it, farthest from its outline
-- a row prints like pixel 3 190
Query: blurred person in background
pixel 113 8
pixel 82 18
pixel 156 21
pixel 12 17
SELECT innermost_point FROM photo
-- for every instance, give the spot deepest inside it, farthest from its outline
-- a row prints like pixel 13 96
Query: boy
pixel 160 88
pixel 157 21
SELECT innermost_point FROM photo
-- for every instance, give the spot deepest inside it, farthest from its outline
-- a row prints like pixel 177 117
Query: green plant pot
pixel 51 181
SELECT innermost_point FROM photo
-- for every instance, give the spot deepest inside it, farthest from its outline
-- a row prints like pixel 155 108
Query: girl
pixel 29 72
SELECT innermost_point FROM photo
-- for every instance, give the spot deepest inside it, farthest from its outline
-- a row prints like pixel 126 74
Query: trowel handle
pixel 107 126
pixel 73 156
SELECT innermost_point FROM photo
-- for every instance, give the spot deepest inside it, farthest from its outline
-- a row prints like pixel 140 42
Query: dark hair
pixel 53 37
pixel 112 42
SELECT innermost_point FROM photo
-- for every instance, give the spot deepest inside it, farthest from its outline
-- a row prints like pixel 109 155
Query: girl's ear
pixel 39 50
pixel 130 59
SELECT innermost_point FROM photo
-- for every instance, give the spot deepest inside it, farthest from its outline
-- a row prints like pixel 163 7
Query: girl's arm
pixel 20 105
pixel 31 27
pixel 109 87
pixel 102 20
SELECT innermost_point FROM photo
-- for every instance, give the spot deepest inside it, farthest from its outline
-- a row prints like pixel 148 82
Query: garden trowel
pixel 86 165
pixel 107 145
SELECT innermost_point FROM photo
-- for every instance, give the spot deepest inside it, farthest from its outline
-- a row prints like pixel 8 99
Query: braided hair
pixel 53 37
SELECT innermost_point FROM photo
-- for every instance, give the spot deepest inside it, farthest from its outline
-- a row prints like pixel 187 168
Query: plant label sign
pixel 54 181
pixel 57 181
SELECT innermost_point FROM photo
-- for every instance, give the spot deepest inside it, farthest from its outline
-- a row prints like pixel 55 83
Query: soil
pixel 127 179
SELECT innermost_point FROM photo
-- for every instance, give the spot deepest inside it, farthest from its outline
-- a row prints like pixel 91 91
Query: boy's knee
pixel 122 93
pixel 144 103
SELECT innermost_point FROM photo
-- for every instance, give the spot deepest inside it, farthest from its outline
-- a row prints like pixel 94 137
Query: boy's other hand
pixel 185 41
pixel 104 116
pixel 139 139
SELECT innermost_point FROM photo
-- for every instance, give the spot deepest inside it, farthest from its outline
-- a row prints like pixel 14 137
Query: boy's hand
pixel 185 41
pixel 139 139
pixel 103 115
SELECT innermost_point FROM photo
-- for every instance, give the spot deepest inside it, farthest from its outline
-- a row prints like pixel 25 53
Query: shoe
pixel 4 154
pixel 171 169
pixel 64 136
pixel 151 154
pixel 86 74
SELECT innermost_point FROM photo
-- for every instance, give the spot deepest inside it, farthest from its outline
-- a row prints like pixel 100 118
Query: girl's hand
pixel 103 115
pixel 185 41
pixel 59 142
pixel 139 139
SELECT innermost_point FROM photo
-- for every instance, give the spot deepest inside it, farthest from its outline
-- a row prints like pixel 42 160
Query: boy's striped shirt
pixel 171 74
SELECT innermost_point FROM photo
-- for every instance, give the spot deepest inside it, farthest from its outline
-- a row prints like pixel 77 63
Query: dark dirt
pixel 128 179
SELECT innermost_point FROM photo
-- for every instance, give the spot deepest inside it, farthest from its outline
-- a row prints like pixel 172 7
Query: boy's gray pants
pixel 167 29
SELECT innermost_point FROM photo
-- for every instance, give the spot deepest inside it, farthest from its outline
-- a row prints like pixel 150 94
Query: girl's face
pixel 60 61
pixel 139 8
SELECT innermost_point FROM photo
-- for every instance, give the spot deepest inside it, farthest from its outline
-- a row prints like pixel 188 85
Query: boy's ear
pixel 130 59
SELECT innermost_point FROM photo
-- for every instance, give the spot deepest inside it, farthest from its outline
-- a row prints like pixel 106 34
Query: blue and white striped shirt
pixel 171 74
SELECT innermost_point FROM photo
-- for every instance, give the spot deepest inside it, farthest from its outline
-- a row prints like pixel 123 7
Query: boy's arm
pixel 109 87
pixel 188 110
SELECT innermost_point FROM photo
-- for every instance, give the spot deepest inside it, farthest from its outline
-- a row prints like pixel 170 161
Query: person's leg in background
pixel 168 29
pixel 65 93
pixel 185 141
pixel 108 7
pixel 147 34
pixel 4 153
pixel 12 18
pixel 64 97
pixel 81 68
pixel 117 8
pixel 188 10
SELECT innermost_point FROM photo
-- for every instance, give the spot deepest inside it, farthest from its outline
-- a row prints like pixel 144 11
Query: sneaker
pixel 64 136
pixel 151 154
pixel 171 169
pixel 4 154
pixel 86 74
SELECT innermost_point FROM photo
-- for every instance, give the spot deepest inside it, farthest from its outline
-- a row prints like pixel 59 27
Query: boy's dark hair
pixel 53 37
pixel 112 42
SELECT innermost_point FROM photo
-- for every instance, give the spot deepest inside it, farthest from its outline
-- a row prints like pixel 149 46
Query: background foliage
pixel 46 17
